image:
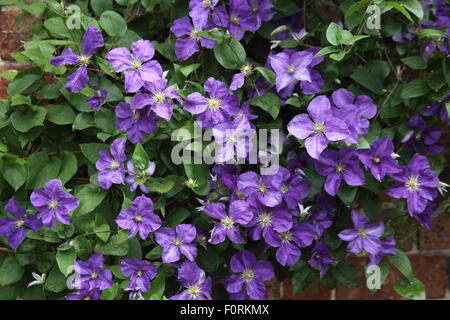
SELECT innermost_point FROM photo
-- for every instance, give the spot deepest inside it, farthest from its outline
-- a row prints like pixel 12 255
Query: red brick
pixel 430 269
pixel 13 36
pixel 3 82
pixel 273 289
pixel 316 292
pixel 438 237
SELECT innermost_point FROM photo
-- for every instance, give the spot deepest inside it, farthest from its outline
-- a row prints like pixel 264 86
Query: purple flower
pixel 140 174
pixel 424 217
pixel 320 220
pixel 240 18
pixel 320 257
pixel 92 42
pixel 141 273
pixel 338 166
pixel 233 138
pixel 52 202
pixel 91 274
pixel 111 166
pixel 379 158
pixel 228 224
pixel 198 287
pixel 176 242
pixel 85 294
pixel 422 138
pixel 268 221
pixel 291 68
pixel 138 66
pixel 218 108
pixel 364 235
pixel 98 100
pixel 301 235
pixel 354 113
pixel 140 218
pixel 293 188
pixel 202 238
pixel 262 9
pixel 319 127
pixel 438 107
pixel 199 11
pixel 251 275
pixel 417 183
pixel 135 122
pixel 14 228
pixel 387 247
pixel 249 183
pixel 186 47
pixel 239 78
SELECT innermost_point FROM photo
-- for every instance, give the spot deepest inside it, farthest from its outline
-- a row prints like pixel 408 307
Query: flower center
pixel 232 139
pixel 136 116
pixel 248 275
pixel 247 69
pixel 94 275
pixel 319 127
pixel 139 273
pixel 413 183
pixel 84 59
pixel 286 236
pixel 255 9
pixel 214 104
pixel 136 64
pixel 317 256
pixel 376 160
pixel 194 34
pixel 191 183
pixel 227 223
pixel 114 165
pixel 194 291
pixel 340 168
pixel 362 233
pixel 159 97
pixel 234 19
pixel 262 189
pixel 206 3
pixel 87 298
pixel 177 243
pixel 53 204
pixel 283 188
pixel 265 220
pixel 290 69
pixel 138 219
pixel 19 223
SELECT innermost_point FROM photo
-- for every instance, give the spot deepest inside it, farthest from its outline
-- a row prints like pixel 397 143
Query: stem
pixel 389 96
pixel 6 250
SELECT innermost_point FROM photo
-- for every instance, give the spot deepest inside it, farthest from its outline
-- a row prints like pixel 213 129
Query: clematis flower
pixel 14 229
pixel 290 68
pixel 234 138
pixel 137 65
pixel 91 274
pixel 387 248
pixel 218 108
pixel 338 166
pixel 111 165
pixel 364 235
pixel 186 47
pixel 354 113
pixel 141 272
pixel 92 42
pixel 262 9
pixel 238 79
pixel 423 138
pixel 198 286
pixel 177 242
pixel 141 174
pixel 249 183
pixel 315 85
pixel 321 257
pixel 158 100
pixel 319 127
pixel 202 238
pixel 53 202
pixel 379 158
pixel 140 218
pixel 438 107
pixel 320 220
pixel 417 183
pixel 251 275
pixel 98 100
pixel 424 217
pixel 228 225
pixel 135 122
pixel 85 294
pixel 199 11
pixel 301 235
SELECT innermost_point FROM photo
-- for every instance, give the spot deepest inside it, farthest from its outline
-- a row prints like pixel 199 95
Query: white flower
pixel 39 279
pixel 304 212
pixel 442 187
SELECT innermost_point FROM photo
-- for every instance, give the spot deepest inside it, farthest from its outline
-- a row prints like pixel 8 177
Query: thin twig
pixel 388 97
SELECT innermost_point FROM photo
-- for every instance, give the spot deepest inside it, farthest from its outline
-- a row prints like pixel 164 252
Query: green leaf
pixel 430 33
pixel 372 206
pixel 91 150
pixel 24 121
pixel 269 102
pixel 176 216
pixel 110 293
pixel 83 120
pixel 346 273
pixel 140 157
pixel 161 185
pixel 415 62
pixel 57 27
pixel 304 278
pixel 10 271
pixel 23 84
pixel 268 74
pixel 413 6
pixel 69 166
pixel 106 120
pixel 200 174
pixel 99 6
pixel 113 248
pixel 90 197
pixel 101 228
pixel 347 194
pixel 334 34
pixel 60 114
pixel 113 23
pixel 411 289
pixel 157 286
pixel 65 260
pixel 230 53
pixel 208 260
pixel 415 88
pixel 14 172
pixel 187 70
pixel 327 50
pixel 402 263
pixel 41 169
pixel 401 9
pixel 166 49
pixel 56 281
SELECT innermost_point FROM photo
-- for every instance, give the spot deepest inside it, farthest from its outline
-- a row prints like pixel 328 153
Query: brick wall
pixel 429 250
